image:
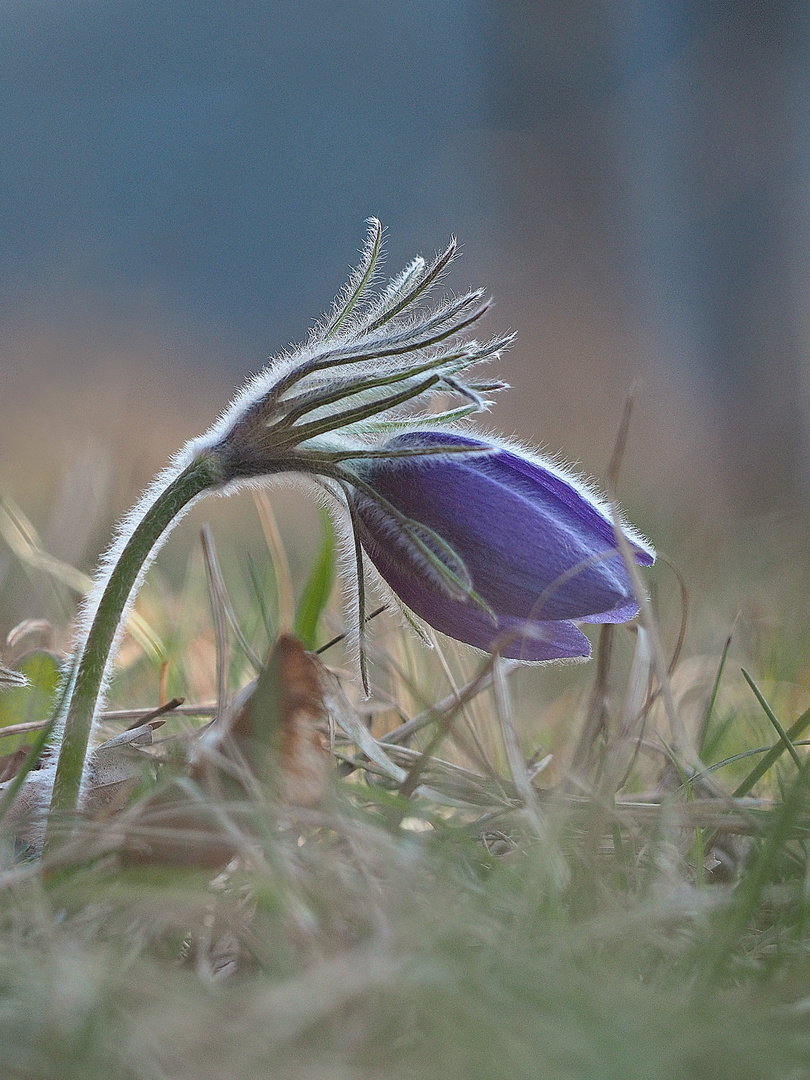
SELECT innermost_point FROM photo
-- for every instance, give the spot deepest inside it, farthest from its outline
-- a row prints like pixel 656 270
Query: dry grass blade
pixel 220 597
pixel 596 717
pixel 475 686
pixel 24 728
pixel 153 714
pixel 443 726
pixel 622 435
pixel 682 743
pixel 345 717
pixel 28 635
pixel 281 566
pixel 216 594
pixel 467 741
pixel 511 741
pixel 23 540
pixel 632 718
pixel 454 784
pixel 114 715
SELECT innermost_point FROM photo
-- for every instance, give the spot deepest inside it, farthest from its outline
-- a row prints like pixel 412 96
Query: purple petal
pixel 525 640
pixel 463 619
pixel 536 549
pixel 581 509
pixel 529 554
pixel 618 615
pixel 536 483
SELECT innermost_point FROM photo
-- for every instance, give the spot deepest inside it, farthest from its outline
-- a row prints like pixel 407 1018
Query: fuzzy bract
pixel 493 547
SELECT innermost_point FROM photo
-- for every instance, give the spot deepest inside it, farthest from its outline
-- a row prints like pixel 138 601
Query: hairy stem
pixel 83 697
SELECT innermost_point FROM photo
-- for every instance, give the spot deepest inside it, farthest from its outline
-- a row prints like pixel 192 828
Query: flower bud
pixel 538 549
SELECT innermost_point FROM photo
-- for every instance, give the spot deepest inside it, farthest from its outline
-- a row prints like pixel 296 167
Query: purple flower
pixel 537 550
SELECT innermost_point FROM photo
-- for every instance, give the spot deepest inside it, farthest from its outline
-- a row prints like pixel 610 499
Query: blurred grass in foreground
pixel 625 919
pixel 637 923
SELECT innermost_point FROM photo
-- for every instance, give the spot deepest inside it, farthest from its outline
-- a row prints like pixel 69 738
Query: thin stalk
pixel 84 694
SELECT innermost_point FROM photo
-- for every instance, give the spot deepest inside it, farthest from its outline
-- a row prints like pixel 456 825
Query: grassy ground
pixel 557 894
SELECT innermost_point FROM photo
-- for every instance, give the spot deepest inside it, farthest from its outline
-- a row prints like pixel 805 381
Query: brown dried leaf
pixel 170 828
pixel 278 730
pixel 116 768
pixel 10 764
pixel 274 736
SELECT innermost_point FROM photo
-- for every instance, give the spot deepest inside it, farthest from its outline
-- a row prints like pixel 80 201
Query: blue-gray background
pixel 187 183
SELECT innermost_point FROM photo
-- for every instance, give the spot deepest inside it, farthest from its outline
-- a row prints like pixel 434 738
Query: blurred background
pixel 184 187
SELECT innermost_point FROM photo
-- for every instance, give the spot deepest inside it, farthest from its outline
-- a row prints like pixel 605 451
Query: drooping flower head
pixel 487 544
pixel 494 547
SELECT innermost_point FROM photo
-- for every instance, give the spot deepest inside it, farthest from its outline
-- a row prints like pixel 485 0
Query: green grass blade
pixel 318 588
pixel 773 755
pixel 783 735
pixel 759 872
pixel 32 701
pixel 44 674
pixel 786 740
pixel 705 743
pixel 31 759
pixel 260 593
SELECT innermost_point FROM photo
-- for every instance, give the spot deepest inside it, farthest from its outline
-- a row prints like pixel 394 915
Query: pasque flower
pixel 492 546
pixel 485 543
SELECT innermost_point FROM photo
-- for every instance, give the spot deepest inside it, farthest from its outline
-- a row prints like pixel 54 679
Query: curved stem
pixel 85 691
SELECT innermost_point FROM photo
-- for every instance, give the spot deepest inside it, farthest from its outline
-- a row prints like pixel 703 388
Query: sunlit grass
pixel 656 929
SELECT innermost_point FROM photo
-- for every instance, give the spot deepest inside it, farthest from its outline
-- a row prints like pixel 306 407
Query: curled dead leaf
pixel 10 764
pixel 277 732
pixel 273 738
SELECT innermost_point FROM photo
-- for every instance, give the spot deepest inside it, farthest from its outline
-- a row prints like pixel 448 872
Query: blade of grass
pixel 218 615
pixel 679 734
pixel 783 735
pixel 772 755
pixel 699 843
pixel 22 538
pixel 23 728
pixel 261 598
pixel 703 745
pixel 759 872
pixel 511 742
pixel 341 637
pixel 281 566
pixel 633 717
pixel 318 588
pixel 33 755
pixel 444 722
pixel 31 758
pixel 476 751
pixel 596 716
pixel 217 585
